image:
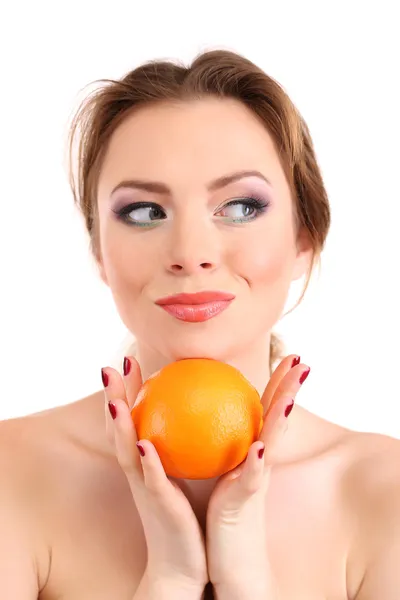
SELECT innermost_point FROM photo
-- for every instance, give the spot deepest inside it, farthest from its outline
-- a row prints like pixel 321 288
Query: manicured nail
pixel 288 409
pixel 140 448
pixel 127 366
pixel 304 376
pixel 261 452
pixel 112 409
pixel 104 377
pixel 296 361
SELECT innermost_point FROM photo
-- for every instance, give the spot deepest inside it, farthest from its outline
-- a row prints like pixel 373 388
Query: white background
pixel 339 62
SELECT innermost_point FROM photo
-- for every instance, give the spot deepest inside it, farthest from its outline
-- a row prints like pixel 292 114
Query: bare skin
pixel 80 518
pixel 69 527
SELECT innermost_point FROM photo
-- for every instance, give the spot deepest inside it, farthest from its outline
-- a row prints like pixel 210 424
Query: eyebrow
pixel 160 188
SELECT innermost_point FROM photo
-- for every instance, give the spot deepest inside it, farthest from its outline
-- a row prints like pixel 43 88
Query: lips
pixel 195 308
pixel 194 299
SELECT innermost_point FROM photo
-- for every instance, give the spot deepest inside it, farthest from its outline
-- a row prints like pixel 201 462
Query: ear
pixel 304 256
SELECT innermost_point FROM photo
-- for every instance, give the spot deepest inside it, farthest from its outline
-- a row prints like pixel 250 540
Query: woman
pixel 191 180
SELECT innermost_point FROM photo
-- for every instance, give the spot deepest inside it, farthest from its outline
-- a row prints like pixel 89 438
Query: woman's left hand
pixel 237 523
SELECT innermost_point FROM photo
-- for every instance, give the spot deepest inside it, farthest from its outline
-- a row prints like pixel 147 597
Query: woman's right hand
pixel 175 542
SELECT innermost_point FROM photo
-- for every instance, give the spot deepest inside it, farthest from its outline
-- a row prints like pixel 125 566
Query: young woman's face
pixel 186 230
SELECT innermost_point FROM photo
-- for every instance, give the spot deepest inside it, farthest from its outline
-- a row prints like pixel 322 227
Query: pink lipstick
pixel 195 308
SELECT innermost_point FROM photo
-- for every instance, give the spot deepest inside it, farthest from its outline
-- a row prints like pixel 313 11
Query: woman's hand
pixel 175 543
pixel 237 522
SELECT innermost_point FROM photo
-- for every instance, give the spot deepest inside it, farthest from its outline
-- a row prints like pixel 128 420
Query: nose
pixel 192 250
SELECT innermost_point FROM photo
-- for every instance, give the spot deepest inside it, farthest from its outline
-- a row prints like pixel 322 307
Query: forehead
pixel 201 139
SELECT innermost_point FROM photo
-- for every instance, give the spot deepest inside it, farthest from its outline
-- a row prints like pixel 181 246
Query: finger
pixel 164 495
pixel 113 389
pixel 247 480
pixel 276 424
pixel 282 369
pixel 155 478
pixel 138 459
pixel 132 379
pixel 125 440
pixel 276 418
pixel 292 382
pixel 250 479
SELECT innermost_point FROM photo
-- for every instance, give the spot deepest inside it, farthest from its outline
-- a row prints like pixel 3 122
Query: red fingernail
pixel 296 361
pixel 261 452
pixel 112 409
pixel 127 366
pixel 288 409
pixel 140 448
pixel 304 376
pixel 104 378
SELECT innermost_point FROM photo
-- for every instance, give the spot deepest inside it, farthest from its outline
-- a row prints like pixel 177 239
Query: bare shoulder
pixel 39 455
pixel 372 492
pixel 23 445
pixel 24 555
pixel 34 448
pixel 21 441
pixel 28 447
pixel 373 467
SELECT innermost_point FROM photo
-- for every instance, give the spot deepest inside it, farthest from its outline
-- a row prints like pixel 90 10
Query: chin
pixel 209 348
pixel 216 339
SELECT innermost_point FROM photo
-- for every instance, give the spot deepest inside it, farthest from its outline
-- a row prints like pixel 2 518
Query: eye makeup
pixel 154 210
pixel 256 204
pixel 150 214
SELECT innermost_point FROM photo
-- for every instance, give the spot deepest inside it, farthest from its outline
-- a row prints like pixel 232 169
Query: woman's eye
pixel 148 214
pixel 141 214
pixel 242 210
pixel 238 211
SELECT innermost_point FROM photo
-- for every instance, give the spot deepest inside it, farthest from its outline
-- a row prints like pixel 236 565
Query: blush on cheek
pixel 268 277
pixel 126 273
pixel 265 266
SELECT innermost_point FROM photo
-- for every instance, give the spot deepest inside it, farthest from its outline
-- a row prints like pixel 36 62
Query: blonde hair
pixel 220 73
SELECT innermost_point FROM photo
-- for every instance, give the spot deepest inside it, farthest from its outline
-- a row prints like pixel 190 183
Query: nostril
pixel 178 268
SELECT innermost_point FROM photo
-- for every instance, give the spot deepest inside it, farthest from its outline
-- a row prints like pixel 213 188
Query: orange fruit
pixel 202 416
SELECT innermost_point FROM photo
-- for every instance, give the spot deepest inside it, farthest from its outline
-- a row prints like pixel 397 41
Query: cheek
pixel 264 262
pixel 127 264
pixel 266 266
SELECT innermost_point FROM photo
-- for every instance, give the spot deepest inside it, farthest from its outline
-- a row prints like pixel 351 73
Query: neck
pixel 252 362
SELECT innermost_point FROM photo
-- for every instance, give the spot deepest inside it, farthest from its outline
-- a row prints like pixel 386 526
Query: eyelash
pixel 259 204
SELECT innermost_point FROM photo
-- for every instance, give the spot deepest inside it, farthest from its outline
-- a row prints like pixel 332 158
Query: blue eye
pixel 245 209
